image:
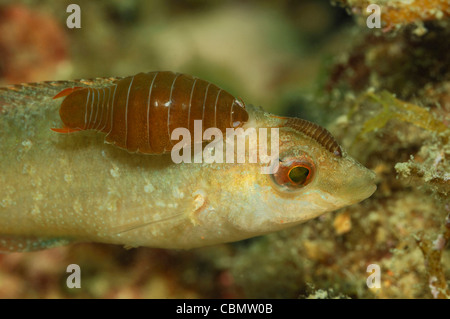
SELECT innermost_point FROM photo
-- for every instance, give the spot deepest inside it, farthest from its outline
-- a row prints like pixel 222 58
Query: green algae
pixel 393 108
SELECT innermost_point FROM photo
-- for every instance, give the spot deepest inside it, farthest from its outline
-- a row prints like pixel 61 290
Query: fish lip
pixel 372 180
pixel 370 191
pixel 374 189
pixel 367 186
pixel 351 198
pixel 361 188
pixel 367 191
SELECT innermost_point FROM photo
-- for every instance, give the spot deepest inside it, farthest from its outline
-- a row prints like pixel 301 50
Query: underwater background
pixel 383 93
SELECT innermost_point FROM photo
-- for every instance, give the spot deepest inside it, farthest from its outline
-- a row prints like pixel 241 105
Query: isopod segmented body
pixel 139 113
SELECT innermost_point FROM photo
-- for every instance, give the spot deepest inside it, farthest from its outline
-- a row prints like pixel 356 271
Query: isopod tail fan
pixel 73 109
pixel 65 130
pixel 66 92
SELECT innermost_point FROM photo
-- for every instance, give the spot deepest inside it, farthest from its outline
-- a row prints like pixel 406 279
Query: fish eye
pixel 298 174
pixel 294 173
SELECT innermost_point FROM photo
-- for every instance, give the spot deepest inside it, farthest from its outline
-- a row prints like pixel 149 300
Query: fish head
pixel 307 180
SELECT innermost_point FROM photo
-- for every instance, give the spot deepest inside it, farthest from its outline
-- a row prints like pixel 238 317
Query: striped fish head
pixel 314 176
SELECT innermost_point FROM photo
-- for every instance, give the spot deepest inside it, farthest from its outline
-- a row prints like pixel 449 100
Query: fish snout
pixel 359 184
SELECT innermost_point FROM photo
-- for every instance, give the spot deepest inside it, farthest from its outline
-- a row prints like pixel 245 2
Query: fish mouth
pixel 352 183
pixel 362 185
pixel 370 190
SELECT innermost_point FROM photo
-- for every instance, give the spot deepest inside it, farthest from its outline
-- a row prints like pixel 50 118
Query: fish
pixel 57 189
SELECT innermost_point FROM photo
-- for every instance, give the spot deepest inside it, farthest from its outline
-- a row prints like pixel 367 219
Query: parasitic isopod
pixel 138 113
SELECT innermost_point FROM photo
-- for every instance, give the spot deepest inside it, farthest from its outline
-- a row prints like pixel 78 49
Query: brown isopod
pixel 138 113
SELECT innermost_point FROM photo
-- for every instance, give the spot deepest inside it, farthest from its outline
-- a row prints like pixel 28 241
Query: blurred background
pixel 304 58
pixel 270 53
